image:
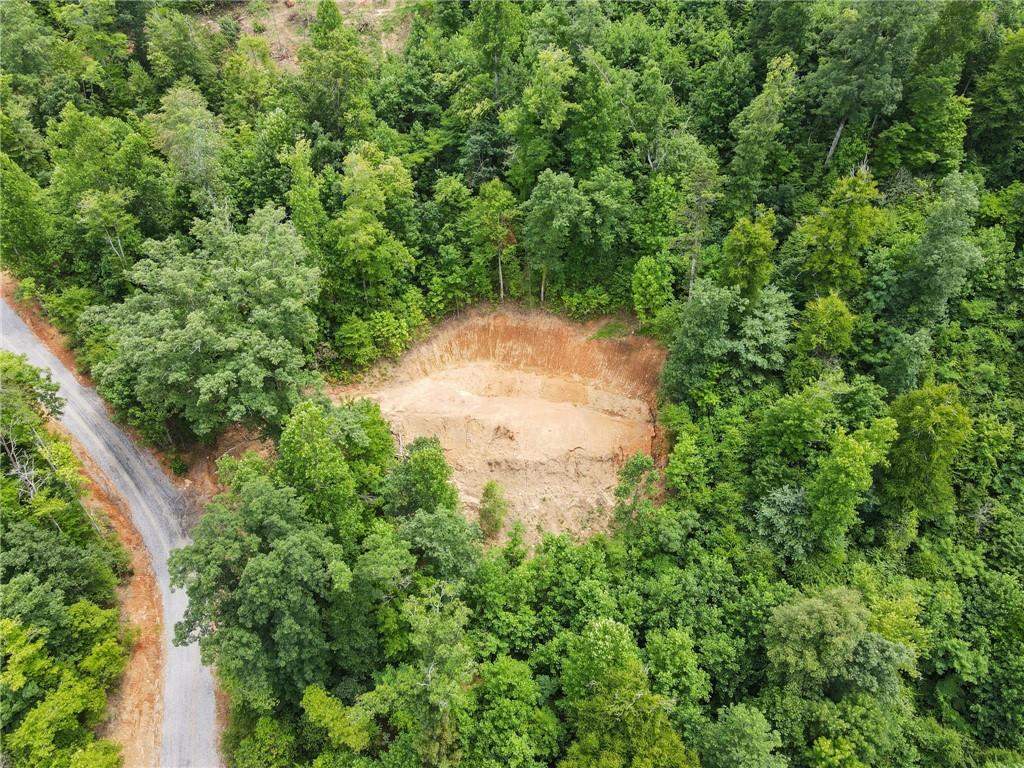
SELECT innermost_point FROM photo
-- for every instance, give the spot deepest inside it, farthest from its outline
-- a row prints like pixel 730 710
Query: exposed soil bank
pixel 530 400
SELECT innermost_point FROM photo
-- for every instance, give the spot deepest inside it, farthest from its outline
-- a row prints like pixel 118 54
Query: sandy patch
pixel 380 19
pixel 529 400
pixel 284 26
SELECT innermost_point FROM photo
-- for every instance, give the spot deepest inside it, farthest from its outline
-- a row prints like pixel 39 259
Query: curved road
pixel 189 727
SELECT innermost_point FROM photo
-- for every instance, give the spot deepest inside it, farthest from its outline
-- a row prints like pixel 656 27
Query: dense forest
pixel 63 644
pixel 817 206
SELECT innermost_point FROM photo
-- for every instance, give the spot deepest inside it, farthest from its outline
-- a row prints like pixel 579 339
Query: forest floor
pixel 530 400
pixel 200 482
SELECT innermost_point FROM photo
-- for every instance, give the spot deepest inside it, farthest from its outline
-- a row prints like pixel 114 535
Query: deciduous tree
pixel 214 336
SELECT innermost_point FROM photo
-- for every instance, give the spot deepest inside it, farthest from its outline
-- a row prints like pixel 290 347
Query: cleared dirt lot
pixel 530 400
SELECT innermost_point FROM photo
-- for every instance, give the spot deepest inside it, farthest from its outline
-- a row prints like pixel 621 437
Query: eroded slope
pixel 529 400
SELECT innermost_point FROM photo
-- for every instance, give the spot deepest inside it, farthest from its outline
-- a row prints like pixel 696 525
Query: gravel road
pixel 189 727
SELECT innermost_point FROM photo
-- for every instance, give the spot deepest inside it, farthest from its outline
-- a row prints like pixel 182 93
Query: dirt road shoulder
pixel 135 709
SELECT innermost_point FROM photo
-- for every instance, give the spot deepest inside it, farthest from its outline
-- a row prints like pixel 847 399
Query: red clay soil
pixel 32 314
pixel 135 709
pixel 532 401
pixel 200 482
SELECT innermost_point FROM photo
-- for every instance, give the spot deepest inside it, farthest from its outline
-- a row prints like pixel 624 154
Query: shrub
pixel 65 307
pixel 652 288
pixel 493 506
pixel 354 343
pixel 178 465
pixel 581 305
pixel 390 334
pixel 26 290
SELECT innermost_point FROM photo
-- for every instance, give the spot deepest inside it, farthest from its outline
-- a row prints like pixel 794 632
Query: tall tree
pixel 610 195
pixel 213 336
pixel 931 123
pixel 607 695
pixel 698 186
pixel 250 81
pixel 108 191
pixel 997 134
pixel 918 486
pixel 702 341
pixel 552 224
pixel 742 738
pixel 652 288
pixel 311 461
pixel 421 481
pixel 836 236
pixel 370 237
pixel 747 255
pixel 755 131
pixel 597 125
pixel 189 135
pixel 934 268
pixel 26 223
pixel 841 479
pixel 536 120
pixel 429 697
pixel 860 75
pixel 495 29
pixel 492 216
pixel 511 727
pixel 179 45
pixel 824 333
pixel 260 576
pixel 334 77
pixel 304 204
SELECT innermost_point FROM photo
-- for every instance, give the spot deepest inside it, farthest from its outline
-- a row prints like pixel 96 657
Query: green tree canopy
pixel 214 336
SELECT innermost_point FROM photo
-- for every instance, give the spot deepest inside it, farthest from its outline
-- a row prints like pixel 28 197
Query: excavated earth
pixel 529 400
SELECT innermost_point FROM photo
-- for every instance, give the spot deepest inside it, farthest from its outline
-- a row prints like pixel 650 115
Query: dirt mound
pixel 532 401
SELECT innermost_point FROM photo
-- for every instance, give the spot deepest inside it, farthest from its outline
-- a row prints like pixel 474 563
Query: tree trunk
pixel 871 130
pixel 496 65
pixel 501 281
pixel 543 279
pixel 835 141
pixel 693 272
